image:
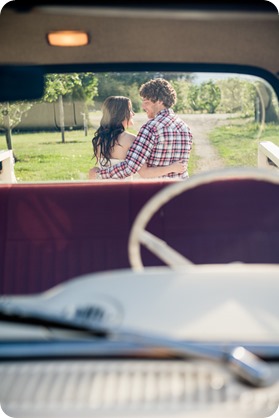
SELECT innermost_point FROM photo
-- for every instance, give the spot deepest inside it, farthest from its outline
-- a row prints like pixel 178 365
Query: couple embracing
pixel 160 149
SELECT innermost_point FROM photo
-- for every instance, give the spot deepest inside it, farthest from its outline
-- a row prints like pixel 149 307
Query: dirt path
pixel 207 156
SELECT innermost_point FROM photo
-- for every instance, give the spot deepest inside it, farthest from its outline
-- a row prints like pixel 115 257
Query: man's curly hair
pixel 159 89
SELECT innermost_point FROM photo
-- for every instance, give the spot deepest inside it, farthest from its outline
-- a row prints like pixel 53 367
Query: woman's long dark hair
pixel 115 109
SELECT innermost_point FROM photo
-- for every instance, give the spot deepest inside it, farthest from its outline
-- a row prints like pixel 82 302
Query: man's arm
pixel 153 172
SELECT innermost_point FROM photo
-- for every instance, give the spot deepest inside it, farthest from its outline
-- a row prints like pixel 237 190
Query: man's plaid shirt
pixel 160 141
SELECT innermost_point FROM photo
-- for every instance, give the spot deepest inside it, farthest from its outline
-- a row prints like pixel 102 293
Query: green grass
pixel 193 161
pixel 237 145
pixel 43 157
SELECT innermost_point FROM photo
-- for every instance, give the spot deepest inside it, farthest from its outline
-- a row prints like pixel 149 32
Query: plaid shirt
pixel 160 141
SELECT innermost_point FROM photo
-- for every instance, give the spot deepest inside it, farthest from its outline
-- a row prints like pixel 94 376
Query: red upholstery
pixel 236 220
pixel 4 200
pixel 51 233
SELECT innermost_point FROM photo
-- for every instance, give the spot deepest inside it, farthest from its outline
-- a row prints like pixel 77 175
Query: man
pixel 164 139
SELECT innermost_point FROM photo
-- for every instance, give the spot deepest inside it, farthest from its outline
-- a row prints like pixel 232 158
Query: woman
pixel 111 141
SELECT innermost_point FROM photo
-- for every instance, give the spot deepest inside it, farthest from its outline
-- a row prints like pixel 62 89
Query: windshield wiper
pixel 245 365
pixel 38 318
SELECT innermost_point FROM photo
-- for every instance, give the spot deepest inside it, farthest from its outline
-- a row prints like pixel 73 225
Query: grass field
pixel 43 157
pixel 237 145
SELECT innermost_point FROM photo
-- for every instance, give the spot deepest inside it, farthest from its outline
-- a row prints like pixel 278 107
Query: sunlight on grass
pixel 43 157
pixel 238 145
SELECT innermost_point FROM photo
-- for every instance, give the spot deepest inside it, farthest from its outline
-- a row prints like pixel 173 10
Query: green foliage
pixel 82 86
pixel 237 96
pixel 11 113
pixel 205 97
pixel 182 91
pixel 113 84
pixel 59 84
pixel 109 86
pixel 238 144
pixel 87 89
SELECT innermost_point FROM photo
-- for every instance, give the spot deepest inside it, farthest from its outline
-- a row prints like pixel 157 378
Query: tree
pixel 59 87
pixel 10 116
pixel 204 97
pixel 85 92
pixel 237 95
pixel 182 89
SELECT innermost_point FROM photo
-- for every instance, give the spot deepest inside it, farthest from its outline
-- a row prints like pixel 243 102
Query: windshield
pixel 233 119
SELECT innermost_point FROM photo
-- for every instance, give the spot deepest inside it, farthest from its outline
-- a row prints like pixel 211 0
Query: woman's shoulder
pixel 124 141
pixel 126 138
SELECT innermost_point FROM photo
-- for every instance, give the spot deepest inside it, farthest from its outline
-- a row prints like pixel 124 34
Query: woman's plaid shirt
pixel 160 141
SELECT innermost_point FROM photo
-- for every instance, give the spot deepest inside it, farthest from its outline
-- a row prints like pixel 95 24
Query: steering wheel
pixel 139 236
